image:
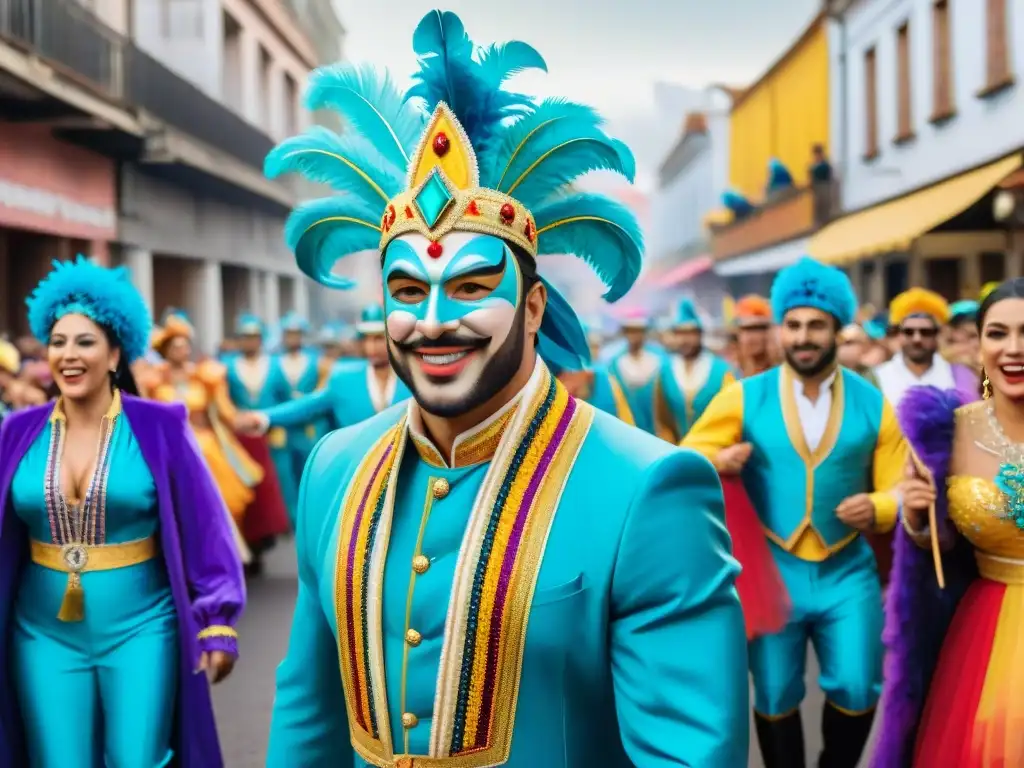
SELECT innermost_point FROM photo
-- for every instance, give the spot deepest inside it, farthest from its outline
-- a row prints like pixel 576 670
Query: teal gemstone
pixel 433 199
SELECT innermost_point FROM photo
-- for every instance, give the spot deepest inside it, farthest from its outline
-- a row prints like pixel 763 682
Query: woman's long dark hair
pixel 122 377
pixel 1008 289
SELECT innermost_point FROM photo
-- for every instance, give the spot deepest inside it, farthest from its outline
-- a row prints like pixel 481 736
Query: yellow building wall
pixel 783 116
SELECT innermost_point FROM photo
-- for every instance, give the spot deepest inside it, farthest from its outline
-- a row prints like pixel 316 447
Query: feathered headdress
pixel 809 283
pixel 294 322
pixel 247 324
pixel 106 296
pixel 458 152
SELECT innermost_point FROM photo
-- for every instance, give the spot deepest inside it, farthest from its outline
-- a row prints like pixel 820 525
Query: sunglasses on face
pixel 924 333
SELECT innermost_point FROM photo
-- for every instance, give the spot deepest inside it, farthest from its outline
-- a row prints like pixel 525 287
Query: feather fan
pixel 372 105
pixel 348 163
pixel 599 230
pixel 322 231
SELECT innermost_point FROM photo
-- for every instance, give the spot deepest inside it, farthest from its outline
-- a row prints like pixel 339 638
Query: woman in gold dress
pixel 202 387
pixel 955 664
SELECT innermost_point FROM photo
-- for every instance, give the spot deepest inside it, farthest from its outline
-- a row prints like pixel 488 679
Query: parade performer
pixel 479 615
pixel 636 369
pixel 202 388
pixel 256 380
pixel 355 390
pixel 590 382
pixel 689 378
pixel 954 666
pixel 854 343
pixel 301 370
pixel 919 315
pixel 821 455
pixel 755 335
pixel 118 574
pixel 962 335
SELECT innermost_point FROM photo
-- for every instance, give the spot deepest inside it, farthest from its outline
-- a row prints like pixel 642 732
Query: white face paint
pixel 448 314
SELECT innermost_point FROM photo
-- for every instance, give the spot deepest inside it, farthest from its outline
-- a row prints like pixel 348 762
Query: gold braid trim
pixel 217 630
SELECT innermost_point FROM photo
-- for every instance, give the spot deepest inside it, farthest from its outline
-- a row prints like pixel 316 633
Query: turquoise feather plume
pixel 533 151
pixel 322 231
pixel 348 163
pixel 451 71
pixel 372 105
pixel 599 230
pixel 562 327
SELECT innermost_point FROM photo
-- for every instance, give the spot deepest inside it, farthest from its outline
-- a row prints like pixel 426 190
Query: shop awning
pixel 770 259
pixel 685 271
pixel 893 226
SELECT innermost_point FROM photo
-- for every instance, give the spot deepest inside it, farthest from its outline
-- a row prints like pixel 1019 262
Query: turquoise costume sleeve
pixel 301 411
pixel 679 623
pixel 309 724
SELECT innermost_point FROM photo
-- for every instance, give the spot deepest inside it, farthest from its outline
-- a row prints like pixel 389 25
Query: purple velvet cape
pixel 198 549
pixel 918 613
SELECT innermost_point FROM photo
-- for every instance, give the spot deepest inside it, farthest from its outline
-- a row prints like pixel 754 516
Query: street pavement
pixel 243 701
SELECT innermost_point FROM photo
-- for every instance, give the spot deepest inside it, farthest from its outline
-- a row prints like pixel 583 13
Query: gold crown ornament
pixel 444 194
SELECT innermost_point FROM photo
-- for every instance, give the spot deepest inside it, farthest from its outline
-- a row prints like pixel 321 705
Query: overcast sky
pixel 608 53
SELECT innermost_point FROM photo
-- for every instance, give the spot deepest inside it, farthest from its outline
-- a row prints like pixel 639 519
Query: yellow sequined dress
pixel 204 393
pixel 974 715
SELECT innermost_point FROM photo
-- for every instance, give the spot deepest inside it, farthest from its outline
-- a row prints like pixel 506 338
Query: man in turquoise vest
pixel 821 456
pixel 494 573
pixel 636 370
pixel 355 389
pixel 300 368
pixel 690 376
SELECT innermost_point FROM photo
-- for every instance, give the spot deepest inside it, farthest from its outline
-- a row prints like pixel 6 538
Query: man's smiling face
pixel 455 318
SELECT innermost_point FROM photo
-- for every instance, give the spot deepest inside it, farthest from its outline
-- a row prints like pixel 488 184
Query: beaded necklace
pixel 1010 479
pixel 76 527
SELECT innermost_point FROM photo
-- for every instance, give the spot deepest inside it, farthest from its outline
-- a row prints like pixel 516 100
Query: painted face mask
pixel 454 318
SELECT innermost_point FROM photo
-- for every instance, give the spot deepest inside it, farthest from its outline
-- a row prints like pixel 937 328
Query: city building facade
pixel 927 114
pixel 691 181
pixel 779 122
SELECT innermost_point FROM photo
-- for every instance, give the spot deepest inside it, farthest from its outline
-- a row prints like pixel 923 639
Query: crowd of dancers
pixel 519 542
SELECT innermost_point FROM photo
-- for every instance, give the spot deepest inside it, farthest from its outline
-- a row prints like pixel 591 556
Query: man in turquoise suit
pixel 355 390
pixel 690 376
pixel 458 605
pixel 636 369
pixel 257 381
pixel 821 455
pixel 299 366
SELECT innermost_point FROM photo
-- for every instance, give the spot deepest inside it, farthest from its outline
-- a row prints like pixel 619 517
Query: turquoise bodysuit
pixel 118 668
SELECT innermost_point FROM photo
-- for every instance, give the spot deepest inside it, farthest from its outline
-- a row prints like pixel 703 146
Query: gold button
pixel 413 638
pixel 409 720
pixel 420 563
pixel 441 488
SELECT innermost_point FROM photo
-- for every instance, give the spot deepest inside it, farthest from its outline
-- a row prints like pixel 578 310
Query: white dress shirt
pixel 814 414
pixel 895 378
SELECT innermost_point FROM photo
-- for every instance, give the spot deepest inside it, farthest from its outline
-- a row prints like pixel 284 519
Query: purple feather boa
pixel 918 613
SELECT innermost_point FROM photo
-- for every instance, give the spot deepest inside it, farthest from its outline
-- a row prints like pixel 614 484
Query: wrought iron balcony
pixel 80 46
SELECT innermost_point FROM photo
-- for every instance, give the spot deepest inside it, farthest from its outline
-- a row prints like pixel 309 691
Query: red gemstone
pixel 508 213
pixel 528 231
pixel 391 216
pixel 441 145
pixel 408 212
pixel 472 209
pixel 434 250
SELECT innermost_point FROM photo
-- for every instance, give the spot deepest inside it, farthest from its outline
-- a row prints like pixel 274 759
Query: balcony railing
pixel 83 48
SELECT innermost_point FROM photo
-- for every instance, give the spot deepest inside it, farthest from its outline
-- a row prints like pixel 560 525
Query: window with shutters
pixel 870 104
pixel 904 99
pixel 998 66
pixel 942 63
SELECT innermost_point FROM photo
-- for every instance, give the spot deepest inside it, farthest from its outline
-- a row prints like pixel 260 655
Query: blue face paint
pixel 481 252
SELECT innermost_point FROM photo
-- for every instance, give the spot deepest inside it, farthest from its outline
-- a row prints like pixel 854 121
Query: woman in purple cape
pixel 119 578
pixel 955 663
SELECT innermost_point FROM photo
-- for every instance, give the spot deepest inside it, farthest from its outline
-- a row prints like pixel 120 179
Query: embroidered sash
pixel 495 576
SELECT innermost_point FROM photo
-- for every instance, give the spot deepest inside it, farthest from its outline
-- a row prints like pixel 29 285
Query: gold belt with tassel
pixel 76 559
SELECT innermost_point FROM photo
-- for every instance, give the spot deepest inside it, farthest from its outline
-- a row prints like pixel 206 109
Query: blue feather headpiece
pixel 294 322
pixel 809 283
pixel 247 324
pixel 686 316
pixel 459 152
pixel 105 296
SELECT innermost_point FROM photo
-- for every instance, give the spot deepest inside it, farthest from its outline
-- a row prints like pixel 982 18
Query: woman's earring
pixel 986 386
